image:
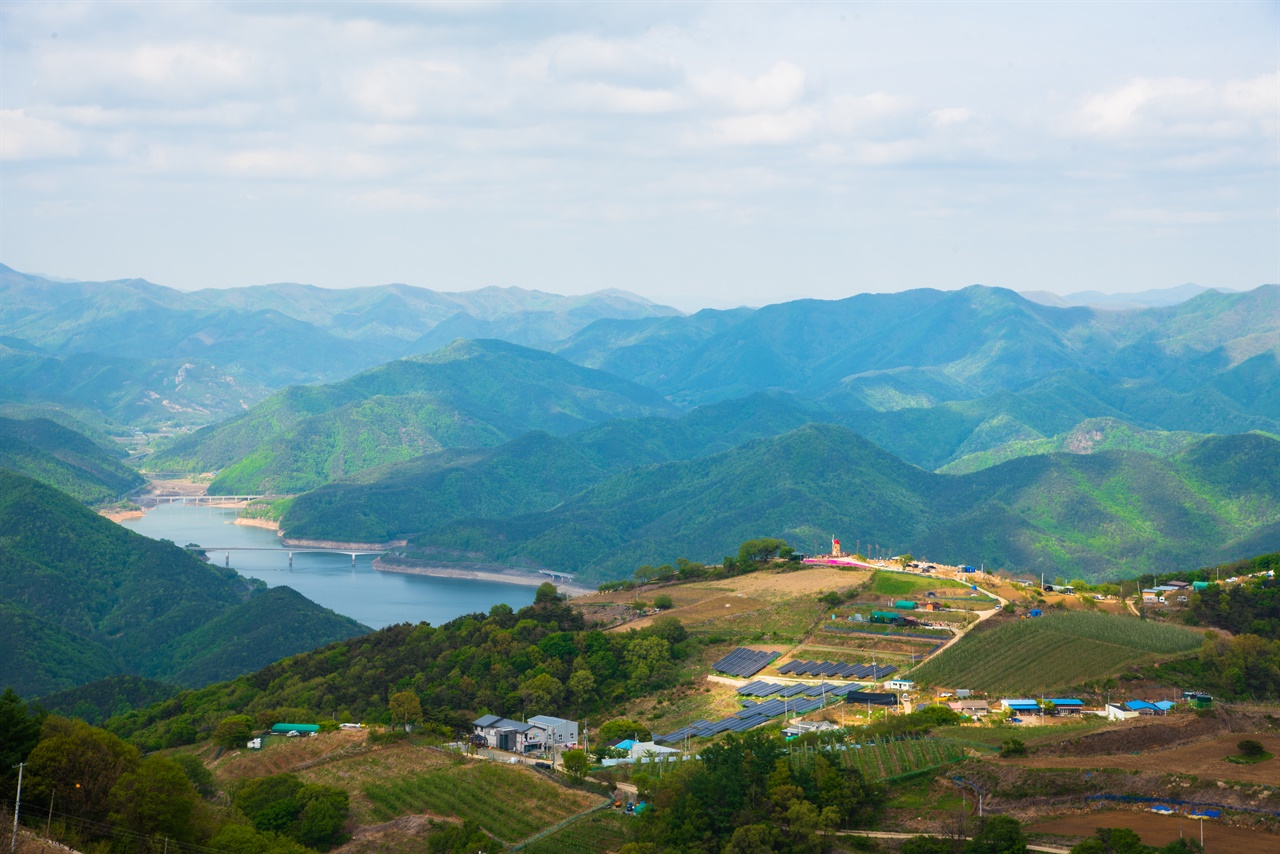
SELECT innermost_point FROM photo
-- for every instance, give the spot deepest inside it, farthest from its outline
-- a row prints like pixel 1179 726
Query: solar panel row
pixel 758 688
pixel 755 714
pixel 743 662
pixel 828 668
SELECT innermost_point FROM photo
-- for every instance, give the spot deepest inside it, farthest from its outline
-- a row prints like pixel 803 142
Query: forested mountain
pixel 533 472
pixel 115 390
pixel 470 394
pixel 922 347
pixel 82 598
pixel 64 459
pixel 1102 515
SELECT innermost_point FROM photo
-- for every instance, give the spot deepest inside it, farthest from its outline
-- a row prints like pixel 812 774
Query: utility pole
pixel 49 822
pixel 17 805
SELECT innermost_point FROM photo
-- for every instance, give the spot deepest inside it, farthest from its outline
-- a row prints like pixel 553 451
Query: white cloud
pixel 1183 108
pixel 762 128
pixel 626 99
pixel 183 71
pixel 777 89
pixel 402 89
pixel 24 137
pixel 951 115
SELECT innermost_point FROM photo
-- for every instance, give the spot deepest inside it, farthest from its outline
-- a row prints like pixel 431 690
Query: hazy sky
pixel 698 154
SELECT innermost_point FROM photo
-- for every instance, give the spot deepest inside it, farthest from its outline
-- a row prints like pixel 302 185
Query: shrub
pixel 1251 748
pixel 1013 747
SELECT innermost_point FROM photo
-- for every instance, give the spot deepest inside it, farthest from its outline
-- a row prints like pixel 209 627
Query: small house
pixel 972 708
pixel 1066 706
pixel 900 685
pixel 505 734
pixel 557 730
pixel 1117 712
pixel 1020 707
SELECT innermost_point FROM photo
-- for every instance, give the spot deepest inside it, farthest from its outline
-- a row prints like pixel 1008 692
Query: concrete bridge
pixel 291 552
pixel 197 500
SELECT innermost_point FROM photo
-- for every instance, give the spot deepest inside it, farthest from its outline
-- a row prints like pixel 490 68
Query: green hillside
pixel 84 598
pixel 534 472
pixel 1059 650
pixel 1101 515
pixel 64 459
pixel 472 393
pixel 105 698
pixel 1087 437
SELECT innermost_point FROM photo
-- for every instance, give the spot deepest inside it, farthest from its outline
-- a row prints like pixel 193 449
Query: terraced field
pixel 1054 651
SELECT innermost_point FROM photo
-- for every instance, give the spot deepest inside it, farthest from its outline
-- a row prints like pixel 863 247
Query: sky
pixel 697 154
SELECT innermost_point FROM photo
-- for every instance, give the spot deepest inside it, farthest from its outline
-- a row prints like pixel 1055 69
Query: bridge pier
pixel 290 558
pixel 228 563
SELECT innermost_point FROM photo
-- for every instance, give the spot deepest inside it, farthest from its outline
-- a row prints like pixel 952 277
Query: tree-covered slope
pixel 1088 437
pixel 64 459
pixel 534 472
pixel 472 393
pixel 924 347
pixel 85 598
pixel 1106 514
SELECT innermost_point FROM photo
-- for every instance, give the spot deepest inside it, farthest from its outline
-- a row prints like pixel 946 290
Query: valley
pixel 594 516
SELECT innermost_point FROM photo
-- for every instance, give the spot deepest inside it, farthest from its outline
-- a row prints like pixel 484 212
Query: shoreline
pixel 479 573
pixel 257 523
pixel 121 515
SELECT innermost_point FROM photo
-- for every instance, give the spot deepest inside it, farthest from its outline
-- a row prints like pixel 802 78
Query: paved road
pixel 885 834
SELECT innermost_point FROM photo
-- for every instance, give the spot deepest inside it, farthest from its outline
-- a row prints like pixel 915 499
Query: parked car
pixel 545 766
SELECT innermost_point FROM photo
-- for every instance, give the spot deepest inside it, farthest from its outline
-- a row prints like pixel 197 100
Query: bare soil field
pixel 1157 733
pixel 704 610
pixel 279 755
pixel 1163 829
pixel 1204 759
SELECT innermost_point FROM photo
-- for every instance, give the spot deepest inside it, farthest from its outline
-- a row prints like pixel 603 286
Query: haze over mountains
pixel 520 447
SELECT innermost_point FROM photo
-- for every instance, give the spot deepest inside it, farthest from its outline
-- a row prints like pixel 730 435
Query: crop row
pixel 527 803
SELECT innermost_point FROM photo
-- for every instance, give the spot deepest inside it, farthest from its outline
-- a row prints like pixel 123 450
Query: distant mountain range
pixel 82 598
pixel 1136 299
pixel 145 354
pixel 923 347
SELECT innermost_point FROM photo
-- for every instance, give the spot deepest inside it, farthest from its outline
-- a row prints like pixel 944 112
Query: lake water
pixel 361 592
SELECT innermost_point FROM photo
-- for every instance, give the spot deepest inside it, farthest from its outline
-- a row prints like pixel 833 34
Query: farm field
pixel 1204 759
pixel 1032 736
pixel 594 834
pixel 1163 829
pixel 1055 651
pixel 893 758
pixel 399 780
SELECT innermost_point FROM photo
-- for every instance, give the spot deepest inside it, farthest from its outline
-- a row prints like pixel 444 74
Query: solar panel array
pixel 837 668
pixel 743 662
pixel 760 688
pixel 756 714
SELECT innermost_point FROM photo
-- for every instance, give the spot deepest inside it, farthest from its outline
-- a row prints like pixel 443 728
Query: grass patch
pixel 903 584
pixel 1248 760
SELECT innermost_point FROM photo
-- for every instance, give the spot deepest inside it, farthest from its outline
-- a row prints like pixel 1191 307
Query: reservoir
pixel 377 599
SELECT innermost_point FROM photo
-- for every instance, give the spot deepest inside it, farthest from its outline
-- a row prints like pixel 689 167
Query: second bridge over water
pixel 355 553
